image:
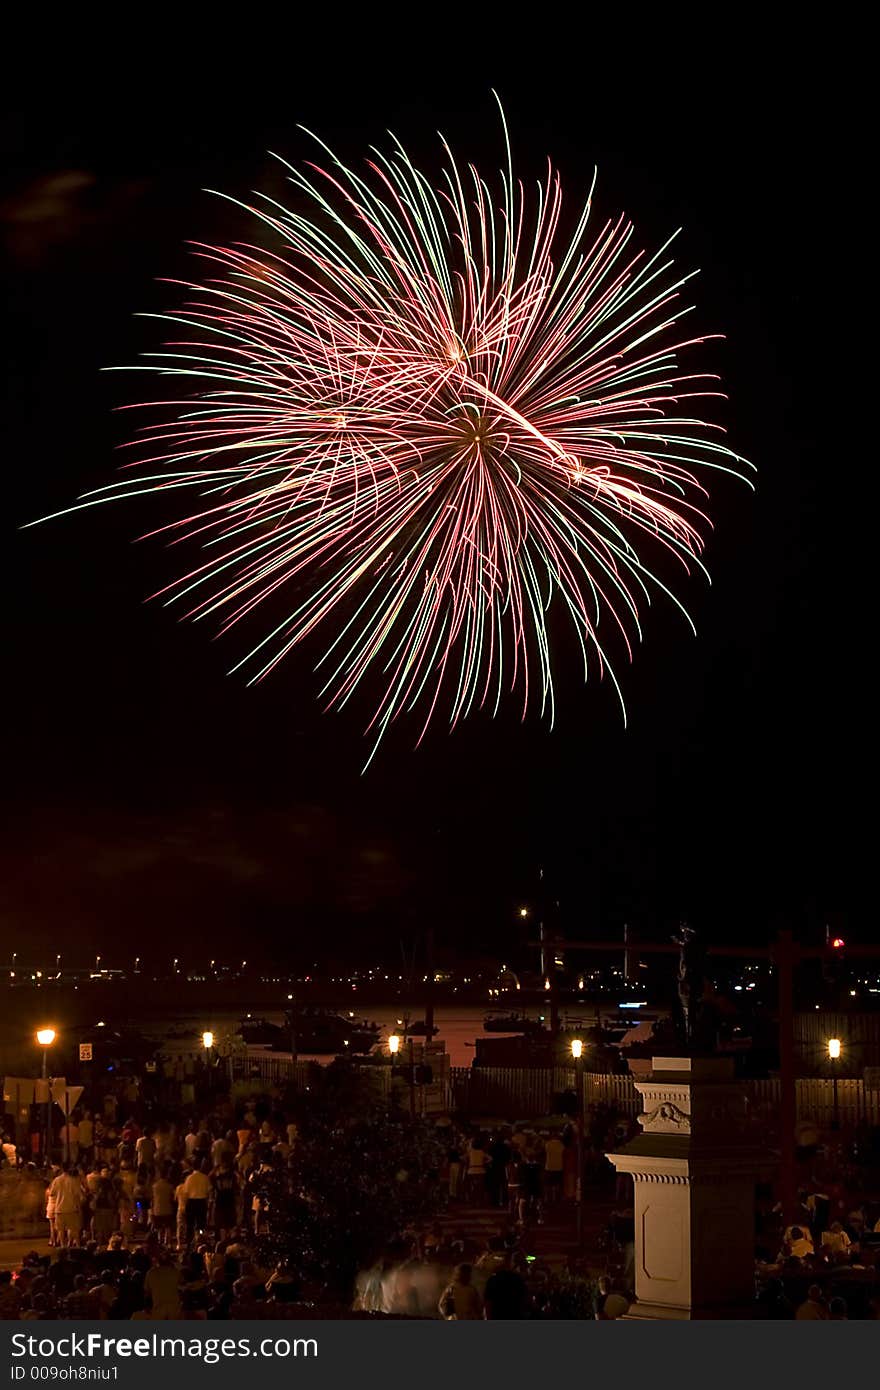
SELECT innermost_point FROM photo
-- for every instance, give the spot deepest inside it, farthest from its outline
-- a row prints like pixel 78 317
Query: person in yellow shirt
pixel 799 1241
pixel 476 1171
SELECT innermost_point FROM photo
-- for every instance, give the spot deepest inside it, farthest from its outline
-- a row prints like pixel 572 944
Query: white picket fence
pixel 527 1092
pixel 815 1098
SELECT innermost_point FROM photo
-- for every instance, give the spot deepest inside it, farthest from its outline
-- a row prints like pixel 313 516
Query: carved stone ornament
pixel 667 1117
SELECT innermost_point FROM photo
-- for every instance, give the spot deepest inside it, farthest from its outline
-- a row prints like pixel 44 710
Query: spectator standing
pixel 460 1301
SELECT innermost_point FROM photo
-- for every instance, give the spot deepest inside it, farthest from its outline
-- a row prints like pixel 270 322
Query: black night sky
pixel 151 801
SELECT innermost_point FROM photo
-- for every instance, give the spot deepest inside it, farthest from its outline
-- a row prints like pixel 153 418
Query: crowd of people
pixel 151 1217
pixel 825 1264
pixel 525 1170
pixel 220 1215
pixel 154 1218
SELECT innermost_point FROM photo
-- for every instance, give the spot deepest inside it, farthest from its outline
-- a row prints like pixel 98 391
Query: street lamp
pixel 207 1044
pixel 394 1044
pixel 577 1052
pixel 46 1037
pixel 834 1057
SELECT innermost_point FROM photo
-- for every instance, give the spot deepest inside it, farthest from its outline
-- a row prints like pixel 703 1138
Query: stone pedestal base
pixel 694 1169
pixel 662 1312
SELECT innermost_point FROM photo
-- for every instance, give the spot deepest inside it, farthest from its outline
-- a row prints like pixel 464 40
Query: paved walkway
pixel 14 1248
pixel 552 1241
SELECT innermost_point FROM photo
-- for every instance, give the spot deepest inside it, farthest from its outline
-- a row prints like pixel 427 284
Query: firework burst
pixel 420 422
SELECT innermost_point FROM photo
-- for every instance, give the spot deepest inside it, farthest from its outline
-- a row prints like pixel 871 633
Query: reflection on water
pixel 458 1026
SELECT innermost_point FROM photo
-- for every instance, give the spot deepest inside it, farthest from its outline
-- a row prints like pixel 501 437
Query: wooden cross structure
pixel 784 953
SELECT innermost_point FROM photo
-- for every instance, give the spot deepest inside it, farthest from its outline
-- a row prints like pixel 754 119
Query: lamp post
pixel 46 1037
pixel 394 1050
pixel 577 1052
pixel 412 1077
pixel 834 1057
pixel 207 1044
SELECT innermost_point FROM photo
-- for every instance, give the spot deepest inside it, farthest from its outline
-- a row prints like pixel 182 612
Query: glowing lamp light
pixel 546 984
pixel 577 1049
pixel 838 943
pixel 524 912
pixel 208 1039
pixel 834 1048
pixel 394 1044
pixel 46 1036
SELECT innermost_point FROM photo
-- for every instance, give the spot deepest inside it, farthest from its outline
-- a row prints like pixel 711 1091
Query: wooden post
pixel 784 959
pixel 579 1191
pixel 429 993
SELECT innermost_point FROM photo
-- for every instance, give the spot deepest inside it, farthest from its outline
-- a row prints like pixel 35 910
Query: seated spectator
pixel 104 1293
pixel 836 1240
pixel 506 1296
pixel 776 1307
pixel 800 1243
pixel 10 1297
pixel 813 1308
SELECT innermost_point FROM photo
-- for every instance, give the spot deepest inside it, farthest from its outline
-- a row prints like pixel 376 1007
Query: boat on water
pixel 420 1029
pixel 311 1030
pixel 513 1022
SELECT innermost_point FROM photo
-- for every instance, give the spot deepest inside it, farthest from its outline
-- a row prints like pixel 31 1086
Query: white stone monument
pixel 694 1168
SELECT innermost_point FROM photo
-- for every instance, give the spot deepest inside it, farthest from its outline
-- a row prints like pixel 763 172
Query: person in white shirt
pixel 190 1142
pixel 836 1239
pixel 219 1150
pixel 145 1151
pixel 67 1193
